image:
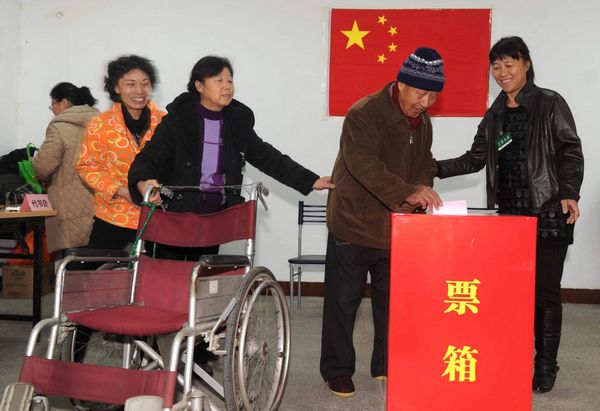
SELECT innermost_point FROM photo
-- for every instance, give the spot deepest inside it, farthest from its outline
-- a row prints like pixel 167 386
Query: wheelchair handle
pixel 257 191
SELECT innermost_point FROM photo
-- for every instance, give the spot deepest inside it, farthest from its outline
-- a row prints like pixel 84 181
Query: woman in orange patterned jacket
pixel 111 142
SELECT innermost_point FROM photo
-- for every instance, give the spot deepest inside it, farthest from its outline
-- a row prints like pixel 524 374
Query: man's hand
pixel 406 208
pixel 570 206
pixel 323 183
pixel 155 195
pixel 425 197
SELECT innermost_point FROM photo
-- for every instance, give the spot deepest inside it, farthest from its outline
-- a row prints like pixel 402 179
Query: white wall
pixel 279 52
pixel 9 33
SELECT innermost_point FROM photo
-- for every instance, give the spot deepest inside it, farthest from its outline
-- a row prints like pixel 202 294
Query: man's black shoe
pixel 341 386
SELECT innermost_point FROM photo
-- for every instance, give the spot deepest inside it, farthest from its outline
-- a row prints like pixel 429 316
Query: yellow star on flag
pixel 393 31
pixel 392 47
pixel 381 19
pixel 355 36
pixel 381 58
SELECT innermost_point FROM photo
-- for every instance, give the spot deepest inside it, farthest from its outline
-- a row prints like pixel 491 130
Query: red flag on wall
pixel 367 48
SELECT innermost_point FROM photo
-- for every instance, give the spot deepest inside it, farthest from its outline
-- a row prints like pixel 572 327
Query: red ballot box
pixel 461 313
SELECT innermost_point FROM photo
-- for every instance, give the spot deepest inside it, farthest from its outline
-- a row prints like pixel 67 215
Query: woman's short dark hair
pixel 207 67
pixel 513 47
pixel 78 96
pixel 123 65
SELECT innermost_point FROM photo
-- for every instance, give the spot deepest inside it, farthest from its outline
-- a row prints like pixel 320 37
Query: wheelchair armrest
pixel 95 252
pixel 224 261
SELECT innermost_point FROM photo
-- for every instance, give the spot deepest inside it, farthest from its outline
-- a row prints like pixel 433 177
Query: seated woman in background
pixel 55 161
pixel 111 142
pixel 205 140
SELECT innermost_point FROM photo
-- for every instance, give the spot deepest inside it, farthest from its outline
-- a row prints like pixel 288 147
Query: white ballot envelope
pixel 458 207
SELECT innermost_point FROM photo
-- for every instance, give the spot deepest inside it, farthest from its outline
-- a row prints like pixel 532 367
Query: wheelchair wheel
pixel 258 345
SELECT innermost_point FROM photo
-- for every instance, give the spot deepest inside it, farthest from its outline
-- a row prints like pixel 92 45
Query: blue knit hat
pixel 424 69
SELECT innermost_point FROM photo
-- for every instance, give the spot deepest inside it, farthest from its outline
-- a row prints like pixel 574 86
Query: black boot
pixel 547 328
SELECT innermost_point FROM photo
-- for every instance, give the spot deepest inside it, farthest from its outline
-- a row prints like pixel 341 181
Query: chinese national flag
pixel 367 48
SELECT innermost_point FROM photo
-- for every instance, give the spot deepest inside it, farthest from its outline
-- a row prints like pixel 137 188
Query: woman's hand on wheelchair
pixel 155 198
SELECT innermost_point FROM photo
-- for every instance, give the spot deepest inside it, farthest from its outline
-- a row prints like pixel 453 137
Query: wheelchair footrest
pixel 17 397
pixel 94 382
pixel 144 403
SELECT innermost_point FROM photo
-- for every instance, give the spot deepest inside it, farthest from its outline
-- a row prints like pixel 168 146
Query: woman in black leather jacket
pixel 528 143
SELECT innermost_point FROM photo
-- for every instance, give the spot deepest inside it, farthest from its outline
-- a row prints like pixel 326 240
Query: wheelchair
pixel 238 310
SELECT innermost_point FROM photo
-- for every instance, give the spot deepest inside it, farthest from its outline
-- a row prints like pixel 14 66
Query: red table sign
pixel 36 202
pixel 461 313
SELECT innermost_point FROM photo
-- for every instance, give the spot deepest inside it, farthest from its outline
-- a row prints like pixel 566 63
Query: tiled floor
pixel 577 388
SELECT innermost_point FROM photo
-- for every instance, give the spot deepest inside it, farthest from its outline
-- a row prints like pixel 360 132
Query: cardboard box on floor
pixel 17 280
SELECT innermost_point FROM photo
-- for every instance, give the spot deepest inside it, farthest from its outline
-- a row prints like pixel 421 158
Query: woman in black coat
pixel 205 140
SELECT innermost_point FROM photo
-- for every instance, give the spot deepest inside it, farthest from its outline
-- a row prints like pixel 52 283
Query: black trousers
pixel 549 269
pixel 182 253
pixel 346 269
pixel 107 236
